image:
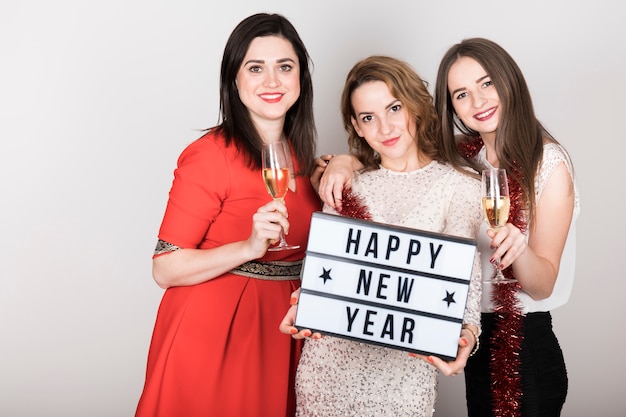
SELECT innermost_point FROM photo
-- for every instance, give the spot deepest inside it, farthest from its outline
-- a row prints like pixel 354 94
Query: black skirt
pixel 544 376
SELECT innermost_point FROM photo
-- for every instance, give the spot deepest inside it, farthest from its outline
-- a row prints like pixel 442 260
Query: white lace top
pixel 553 155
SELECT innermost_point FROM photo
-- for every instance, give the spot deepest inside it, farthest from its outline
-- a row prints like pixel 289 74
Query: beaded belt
pixel 272 270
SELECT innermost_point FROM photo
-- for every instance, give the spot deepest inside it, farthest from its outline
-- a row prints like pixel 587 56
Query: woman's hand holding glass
pixel 508 243
pixel 496 204
pixel 268 222
pixel 276 176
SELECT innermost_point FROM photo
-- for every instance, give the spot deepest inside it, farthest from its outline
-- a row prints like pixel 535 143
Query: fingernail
pixel 307 333
pixel 463 342
pixel 293 301
pixel 430 359
pixel 294 331
pixel 413 355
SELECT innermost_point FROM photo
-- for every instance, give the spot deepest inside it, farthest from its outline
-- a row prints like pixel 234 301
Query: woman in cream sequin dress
pixel 393 129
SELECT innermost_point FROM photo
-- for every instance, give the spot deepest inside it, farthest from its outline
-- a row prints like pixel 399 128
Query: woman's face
pixel 268 80
pixel 384 123
pixel 474 97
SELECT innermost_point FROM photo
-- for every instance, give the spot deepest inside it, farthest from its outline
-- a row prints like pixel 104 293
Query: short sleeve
pixel 201 183
pixel 553 155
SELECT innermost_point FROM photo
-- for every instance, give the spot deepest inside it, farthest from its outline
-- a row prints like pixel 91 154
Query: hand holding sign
pixel 386 285
pixel 287 324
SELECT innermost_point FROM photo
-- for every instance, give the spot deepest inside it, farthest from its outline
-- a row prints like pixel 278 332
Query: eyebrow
pixel 463 88
pixel 393 103
pixel 262 61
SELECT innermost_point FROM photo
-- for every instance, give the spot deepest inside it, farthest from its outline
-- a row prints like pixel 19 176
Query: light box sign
pixel 386 285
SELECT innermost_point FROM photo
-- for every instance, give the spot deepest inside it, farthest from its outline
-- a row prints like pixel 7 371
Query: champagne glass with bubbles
pixel 496 206
pixel 276 177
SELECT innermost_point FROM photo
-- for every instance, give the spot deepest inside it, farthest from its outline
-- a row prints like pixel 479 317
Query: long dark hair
pixel 235 122
pixel 404 84
pixel 519 136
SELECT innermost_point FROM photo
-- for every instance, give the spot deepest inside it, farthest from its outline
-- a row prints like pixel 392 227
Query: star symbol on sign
pixel 326 275
pixel 449 298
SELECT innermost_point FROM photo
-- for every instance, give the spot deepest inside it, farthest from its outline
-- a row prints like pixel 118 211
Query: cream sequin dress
pixel 338 377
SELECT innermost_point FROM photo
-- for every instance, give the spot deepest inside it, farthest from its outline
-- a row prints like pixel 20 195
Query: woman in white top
pixel 481 93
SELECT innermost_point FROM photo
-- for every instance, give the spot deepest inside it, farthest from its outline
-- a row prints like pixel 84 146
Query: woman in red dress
pixel 216 349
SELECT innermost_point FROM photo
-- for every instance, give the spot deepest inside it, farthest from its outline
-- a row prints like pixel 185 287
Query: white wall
pixel 97 99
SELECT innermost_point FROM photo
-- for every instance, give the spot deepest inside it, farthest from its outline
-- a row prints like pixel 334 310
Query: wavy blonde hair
pixel 405 85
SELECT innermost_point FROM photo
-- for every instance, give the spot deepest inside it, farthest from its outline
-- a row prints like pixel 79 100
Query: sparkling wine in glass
pixel 276 177
pixel 496 206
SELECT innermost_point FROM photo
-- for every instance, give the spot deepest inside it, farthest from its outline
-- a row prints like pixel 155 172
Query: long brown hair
pixel 405 85
pixel 519 137
pixel 235 122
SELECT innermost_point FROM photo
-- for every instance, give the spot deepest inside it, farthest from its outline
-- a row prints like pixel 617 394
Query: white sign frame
pixel 385 285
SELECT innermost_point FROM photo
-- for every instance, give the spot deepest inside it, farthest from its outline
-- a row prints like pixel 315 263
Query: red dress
pixel 216 350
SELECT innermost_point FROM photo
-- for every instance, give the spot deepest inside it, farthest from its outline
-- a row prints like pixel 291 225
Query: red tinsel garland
pixel 507 338
pixel 352 206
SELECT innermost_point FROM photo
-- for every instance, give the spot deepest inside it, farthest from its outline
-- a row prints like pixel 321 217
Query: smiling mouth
pixel 486 114
pixel 271 97
pixel 391 141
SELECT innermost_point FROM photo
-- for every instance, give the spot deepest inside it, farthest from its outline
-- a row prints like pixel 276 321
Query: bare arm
pixel 536 263
pixel 336 177
pixel 194 266
pixel 318 171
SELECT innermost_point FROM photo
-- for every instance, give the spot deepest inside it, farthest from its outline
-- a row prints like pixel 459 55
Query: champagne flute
pixel 276 177
pixel 496 206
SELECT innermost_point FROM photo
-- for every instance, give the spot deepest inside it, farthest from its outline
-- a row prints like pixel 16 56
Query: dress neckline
pixel 408 173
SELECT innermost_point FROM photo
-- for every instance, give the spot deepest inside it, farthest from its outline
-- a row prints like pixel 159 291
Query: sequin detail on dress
pixel 339 377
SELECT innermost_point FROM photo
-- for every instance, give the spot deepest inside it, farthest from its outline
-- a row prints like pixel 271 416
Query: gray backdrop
pixel 97 99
